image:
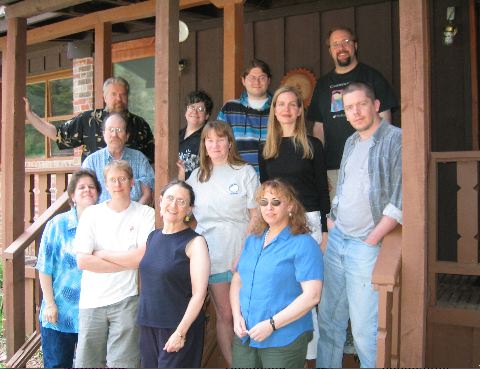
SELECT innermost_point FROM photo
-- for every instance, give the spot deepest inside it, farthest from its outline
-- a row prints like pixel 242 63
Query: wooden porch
pixel 405 264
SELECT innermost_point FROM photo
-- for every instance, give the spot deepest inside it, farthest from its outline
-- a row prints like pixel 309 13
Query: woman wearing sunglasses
pixel 278 281
pixel 198 107
pixel 290 154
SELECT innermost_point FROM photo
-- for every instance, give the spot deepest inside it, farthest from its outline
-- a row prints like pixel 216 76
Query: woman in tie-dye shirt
pixel 60 276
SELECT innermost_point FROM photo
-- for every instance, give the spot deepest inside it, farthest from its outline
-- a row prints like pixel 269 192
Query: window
pixel 51 98
pixel 140 75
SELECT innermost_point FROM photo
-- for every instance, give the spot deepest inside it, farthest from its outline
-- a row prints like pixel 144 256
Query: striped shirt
pixel 249 126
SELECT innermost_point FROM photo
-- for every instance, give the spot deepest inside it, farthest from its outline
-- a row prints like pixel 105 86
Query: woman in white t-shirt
pixel 225 211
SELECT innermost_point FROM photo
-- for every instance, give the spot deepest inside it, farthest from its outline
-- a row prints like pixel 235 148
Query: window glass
pixel 61 96
pixel 36 96
pixel 140 75
pixel 34 143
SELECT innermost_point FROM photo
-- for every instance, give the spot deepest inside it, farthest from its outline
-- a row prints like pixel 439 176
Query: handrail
pixel 32 232
pixel 387 267
pixel 386 279
pixel 14 278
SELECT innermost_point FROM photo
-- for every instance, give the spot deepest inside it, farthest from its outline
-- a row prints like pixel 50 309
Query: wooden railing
pixel 22 294
pixel 386 279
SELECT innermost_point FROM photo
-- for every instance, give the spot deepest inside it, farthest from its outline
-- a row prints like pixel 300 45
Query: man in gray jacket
pixel 367 206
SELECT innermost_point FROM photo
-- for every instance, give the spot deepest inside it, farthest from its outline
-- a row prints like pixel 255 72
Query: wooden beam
pixel 473 24
pixel 145 9
pixel 415 100
pixel 232 48
pixel 103 60
pixel 28 8
pixel 13 176
pixel 167 109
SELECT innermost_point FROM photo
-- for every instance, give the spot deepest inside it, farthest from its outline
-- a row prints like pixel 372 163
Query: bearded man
pixel 86 128
pixel 326 107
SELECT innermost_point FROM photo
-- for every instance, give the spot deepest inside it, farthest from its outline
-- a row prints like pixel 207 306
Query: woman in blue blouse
pixel 278 281
pixel 60 276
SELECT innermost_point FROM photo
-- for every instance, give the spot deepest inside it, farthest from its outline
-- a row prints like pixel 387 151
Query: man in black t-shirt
pixel 326 107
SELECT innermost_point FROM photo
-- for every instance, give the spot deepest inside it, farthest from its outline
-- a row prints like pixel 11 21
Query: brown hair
pixel 274 130
pixel 222 129
pixel 72 185
pixel 297 221
pixel 257 63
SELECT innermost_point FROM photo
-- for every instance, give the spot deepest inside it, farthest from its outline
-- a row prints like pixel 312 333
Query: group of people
pixel 249 219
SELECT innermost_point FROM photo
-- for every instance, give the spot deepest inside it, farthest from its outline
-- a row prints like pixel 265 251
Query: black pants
pixel 152 341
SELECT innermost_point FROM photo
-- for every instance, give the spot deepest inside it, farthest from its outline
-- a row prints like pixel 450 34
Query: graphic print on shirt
pixel 190 160
pixel 336 101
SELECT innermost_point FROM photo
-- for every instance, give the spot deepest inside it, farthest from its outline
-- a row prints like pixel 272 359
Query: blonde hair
pixel 275 132
pixel 297 220
pixel 221 129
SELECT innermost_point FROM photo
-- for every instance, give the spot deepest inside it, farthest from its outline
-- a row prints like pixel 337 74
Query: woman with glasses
pixel 174 269
pixel 198 107
pixel 225 211
pixel 278 281
pixel 59 275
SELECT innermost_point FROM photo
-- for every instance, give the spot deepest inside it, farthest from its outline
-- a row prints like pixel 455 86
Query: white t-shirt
pixel 221 209
pixel 101 228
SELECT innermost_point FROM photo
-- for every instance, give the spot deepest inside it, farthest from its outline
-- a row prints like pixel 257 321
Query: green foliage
pixel 140 75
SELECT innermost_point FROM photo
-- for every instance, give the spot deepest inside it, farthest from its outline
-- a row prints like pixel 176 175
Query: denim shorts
pixel 220 277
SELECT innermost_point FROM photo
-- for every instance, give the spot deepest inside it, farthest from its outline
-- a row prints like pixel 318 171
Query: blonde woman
pixel 290 154
pixel 225 210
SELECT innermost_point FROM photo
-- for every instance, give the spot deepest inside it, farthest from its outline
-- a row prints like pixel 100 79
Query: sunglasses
pixel 265 202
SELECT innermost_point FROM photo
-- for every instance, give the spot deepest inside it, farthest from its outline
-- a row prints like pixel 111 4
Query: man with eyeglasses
pixel 326 107
pixel 248 115
pixel 86 128
pixel 115 135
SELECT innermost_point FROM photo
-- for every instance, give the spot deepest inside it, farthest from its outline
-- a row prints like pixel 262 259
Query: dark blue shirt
pixel 165 276
pixel 271 279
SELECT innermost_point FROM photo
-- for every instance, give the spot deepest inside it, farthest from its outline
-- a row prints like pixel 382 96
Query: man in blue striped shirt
pixel 248 115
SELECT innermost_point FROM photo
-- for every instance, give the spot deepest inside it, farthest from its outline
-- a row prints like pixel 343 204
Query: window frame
pixel 46 78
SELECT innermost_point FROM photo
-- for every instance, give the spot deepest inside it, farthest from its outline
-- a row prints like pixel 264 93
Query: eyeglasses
pixel 181 203
pixel 340 44
pixel 261 79
pixel 115 130
pixel 200 109
pixel 119 180
pixel 273 202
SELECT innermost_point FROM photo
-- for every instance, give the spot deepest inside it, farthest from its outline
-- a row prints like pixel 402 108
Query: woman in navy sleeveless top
pixel 174 273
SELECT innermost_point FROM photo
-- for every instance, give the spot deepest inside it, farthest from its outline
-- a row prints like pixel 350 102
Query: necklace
pixel 266 240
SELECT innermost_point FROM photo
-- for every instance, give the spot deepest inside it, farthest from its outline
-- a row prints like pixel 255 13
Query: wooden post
pixel 166 94
pixel 103 59
pixel 415 98
pixel 13 177
pixel 232 48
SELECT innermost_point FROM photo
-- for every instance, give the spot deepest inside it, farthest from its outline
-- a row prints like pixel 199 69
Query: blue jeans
pixel 58 348
pixel 347 291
